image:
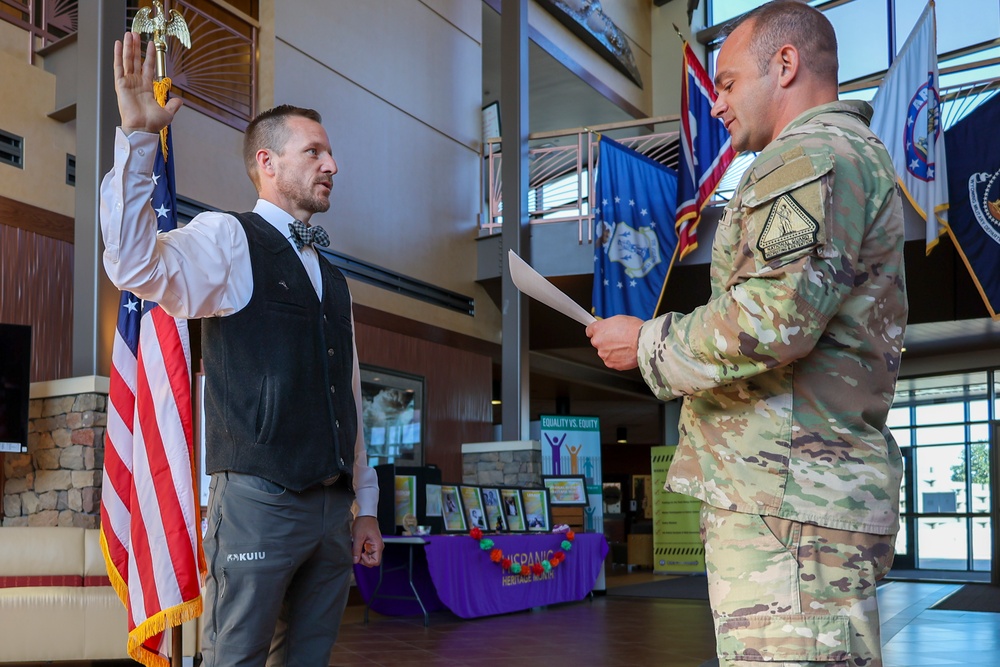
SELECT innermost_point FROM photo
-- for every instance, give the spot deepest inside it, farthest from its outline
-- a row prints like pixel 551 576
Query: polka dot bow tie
pixel 304 235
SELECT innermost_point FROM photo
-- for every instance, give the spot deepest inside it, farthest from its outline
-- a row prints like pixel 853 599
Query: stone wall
pixel 516 463
pixel 58 481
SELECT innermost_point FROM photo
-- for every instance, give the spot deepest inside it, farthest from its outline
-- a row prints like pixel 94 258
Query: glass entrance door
pixel 942 425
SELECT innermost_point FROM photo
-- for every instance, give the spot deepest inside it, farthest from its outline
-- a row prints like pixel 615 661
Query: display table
pixel 420 575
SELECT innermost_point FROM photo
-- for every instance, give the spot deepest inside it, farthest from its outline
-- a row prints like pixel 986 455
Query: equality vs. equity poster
pixel 572 446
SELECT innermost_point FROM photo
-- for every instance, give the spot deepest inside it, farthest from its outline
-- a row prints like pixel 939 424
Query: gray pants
pixel 279 567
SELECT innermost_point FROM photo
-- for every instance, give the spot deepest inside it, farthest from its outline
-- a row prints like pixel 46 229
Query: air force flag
pixel 634 231
pixel 908 120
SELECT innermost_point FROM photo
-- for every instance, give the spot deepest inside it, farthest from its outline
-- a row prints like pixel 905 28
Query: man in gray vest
pixel 282 391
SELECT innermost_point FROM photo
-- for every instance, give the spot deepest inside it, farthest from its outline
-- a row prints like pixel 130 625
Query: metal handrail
pixel 550 165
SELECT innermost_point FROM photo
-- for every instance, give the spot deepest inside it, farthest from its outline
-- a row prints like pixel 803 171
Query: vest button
pixel 337 424
pixel 330 352
pixel 341 461
pixel 333 390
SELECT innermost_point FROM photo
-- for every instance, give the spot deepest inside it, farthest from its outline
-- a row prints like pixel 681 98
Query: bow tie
pixel 304 235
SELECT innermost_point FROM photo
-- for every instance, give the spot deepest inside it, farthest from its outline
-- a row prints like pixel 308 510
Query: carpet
pixel 972 597
pixel 692 587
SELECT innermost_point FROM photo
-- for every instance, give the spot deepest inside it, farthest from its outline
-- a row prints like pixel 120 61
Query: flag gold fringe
pixel 156 624
pixel 160 90
pixel 117 580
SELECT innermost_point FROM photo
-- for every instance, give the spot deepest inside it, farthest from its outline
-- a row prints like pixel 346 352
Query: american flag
pixel 706 151
pixel 149 517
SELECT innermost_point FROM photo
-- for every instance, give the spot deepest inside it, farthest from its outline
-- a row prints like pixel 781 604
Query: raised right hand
pixel 137 105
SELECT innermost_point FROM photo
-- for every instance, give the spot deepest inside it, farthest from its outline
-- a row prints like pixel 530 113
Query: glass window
pixel 898 417
pixel 863 94
pixel 940 477
pixel 721 11
pixel 940 435
pixel 902 542
pixel 862 29
pixel 942 544
pixel 903 436
pixel 960 23
pixel 979 411
pixel 940 413
pixel 982 544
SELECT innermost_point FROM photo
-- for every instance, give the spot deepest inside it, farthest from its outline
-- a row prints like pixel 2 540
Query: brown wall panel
pixel 458 389
pixel 36 288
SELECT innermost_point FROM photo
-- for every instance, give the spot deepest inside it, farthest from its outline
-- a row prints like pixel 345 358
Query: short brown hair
pixel 792 22
pixel 269 130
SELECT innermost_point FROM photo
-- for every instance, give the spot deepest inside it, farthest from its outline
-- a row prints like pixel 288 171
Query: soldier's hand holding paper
pixel 617 341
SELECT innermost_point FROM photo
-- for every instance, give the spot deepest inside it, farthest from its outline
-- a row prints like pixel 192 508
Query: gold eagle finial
pixel 159 26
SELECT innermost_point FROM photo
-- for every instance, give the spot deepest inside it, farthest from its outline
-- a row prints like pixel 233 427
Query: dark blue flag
pixel 634 235
pixel 973 151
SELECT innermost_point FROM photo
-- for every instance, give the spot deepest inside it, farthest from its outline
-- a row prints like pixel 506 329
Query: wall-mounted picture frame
pixel 537 513
pixel 491 121
pixel 472 501
pixel 392 416
pixel 566 490
pixel 451 509
pixel 513 509
pixel 493 506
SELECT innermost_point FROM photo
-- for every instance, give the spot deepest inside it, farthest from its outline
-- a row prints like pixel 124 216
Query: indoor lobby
pixel 458 370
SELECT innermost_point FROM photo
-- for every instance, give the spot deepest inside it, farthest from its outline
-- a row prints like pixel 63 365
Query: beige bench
pixel 56 602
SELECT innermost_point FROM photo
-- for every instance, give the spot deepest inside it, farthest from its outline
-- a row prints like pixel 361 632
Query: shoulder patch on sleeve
pixel 789 227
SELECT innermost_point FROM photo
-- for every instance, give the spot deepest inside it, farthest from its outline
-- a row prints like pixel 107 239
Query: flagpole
pixel 159 25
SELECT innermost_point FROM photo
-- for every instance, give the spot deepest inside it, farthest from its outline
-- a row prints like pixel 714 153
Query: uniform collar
pixel 858 108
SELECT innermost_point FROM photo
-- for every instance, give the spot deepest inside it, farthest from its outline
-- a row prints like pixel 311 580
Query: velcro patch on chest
pixel 789 227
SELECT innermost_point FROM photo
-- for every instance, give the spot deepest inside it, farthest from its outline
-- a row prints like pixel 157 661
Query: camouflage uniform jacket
pixel 789 370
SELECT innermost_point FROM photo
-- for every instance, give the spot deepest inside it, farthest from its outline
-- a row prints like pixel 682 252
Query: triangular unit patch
pixel 789 227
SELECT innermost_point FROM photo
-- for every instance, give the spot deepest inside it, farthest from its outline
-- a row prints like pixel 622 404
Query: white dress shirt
pixel 200 270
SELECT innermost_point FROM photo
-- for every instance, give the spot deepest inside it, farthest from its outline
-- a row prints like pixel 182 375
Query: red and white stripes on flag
pixel 149 516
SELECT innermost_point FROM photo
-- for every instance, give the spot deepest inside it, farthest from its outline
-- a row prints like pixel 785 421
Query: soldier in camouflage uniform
pixel 788 372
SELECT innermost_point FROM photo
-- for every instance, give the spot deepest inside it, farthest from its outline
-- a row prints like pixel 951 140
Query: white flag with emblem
pixel 908 120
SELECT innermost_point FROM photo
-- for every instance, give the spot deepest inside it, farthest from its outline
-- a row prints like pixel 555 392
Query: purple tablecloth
pixel 462 577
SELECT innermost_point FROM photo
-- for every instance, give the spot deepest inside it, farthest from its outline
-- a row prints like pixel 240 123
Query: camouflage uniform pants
pixel 793 594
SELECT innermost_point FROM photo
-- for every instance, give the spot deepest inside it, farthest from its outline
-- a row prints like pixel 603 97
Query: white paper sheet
pixel 530 282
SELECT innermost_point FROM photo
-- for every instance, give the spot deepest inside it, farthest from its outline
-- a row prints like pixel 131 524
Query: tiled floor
pixel 619 631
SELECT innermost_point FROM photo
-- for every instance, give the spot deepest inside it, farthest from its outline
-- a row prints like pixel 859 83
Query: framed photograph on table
pixel 566 490
pixel 495 517
pixel 451 509
pixel 406 498
pixel 433 500
pixel 392 416
pixel 513 510
pixel 472 501
pixel 537 516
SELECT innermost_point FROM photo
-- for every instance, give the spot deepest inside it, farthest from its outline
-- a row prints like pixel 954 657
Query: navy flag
pixel 973 147
pixel 635 239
